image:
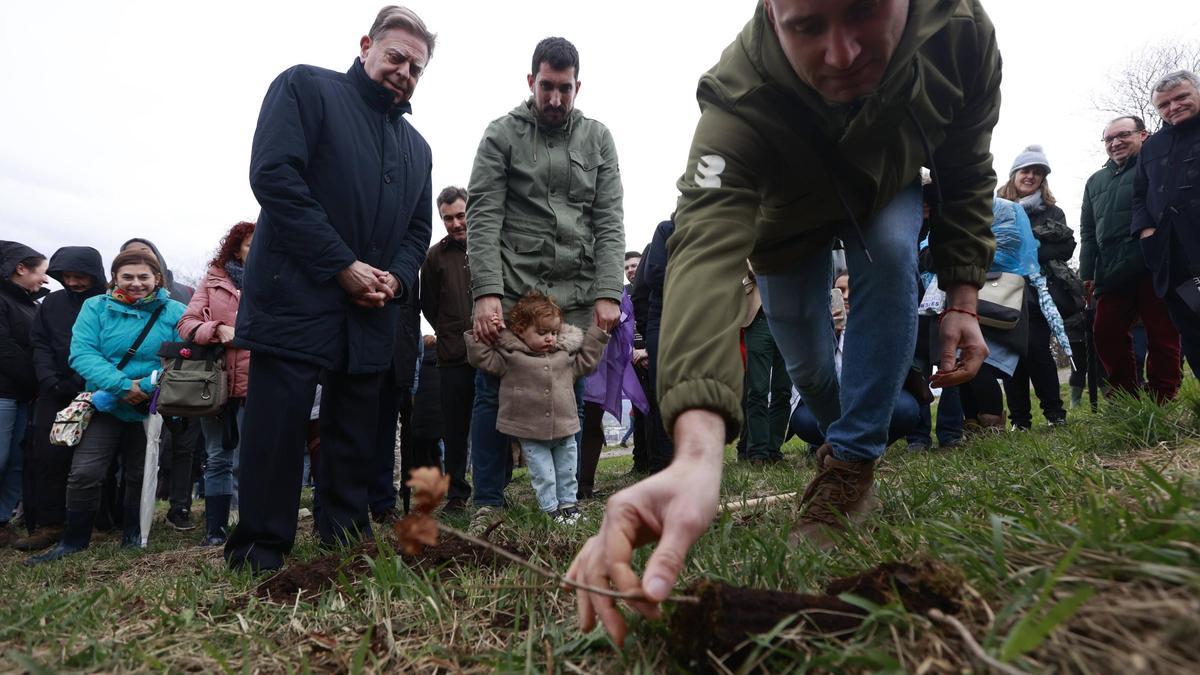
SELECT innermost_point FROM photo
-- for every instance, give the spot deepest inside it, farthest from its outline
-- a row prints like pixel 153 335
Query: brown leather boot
pixel 840 492
pixel 992 423
pixel 43 537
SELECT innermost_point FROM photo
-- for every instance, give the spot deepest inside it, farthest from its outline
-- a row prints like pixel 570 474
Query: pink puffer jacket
pixel 216 303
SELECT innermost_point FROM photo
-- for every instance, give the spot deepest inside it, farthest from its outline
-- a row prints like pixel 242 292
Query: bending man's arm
pixel 700 378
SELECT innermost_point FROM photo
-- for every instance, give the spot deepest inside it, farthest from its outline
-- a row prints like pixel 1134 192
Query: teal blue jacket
pixel 106 329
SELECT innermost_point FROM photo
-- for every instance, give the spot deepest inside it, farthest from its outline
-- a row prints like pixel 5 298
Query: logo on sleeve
pixel 708 171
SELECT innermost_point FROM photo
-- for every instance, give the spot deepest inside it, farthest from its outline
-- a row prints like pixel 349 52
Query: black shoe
pixel 454 505
pixel 385 517
pixel 59 552
pixel 213 540
pixel 181 519
pixel 582 495
pixel 131 531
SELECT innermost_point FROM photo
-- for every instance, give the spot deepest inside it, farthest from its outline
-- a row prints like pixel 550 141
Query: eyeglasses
pixel 1119 136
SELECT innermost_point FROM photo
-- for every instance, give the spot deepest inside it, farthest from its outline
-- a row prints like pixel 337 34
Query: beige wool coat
pixel 537 391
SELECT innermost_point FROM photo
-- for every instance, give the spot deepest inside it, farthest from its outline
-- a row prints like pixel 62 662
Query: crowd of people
pixel 818 176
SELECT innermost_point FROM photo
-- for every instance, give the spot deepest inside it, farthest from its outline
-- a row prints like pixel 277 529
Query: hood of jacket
pixel 757 58
pixel 570 339
pixel 11 254
pixel 178 290
pixel 80 259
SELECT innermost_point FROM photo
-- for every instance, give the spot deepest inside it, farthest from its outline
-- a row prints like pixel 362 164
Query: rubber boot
pixel 77 534
pixel 1076 396
pixel 216 519
pixel 131 528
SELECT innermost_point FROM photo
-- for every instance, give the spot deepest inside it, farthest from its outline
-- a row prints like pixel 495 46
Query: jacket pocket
pixel 584 168
pixel 1152 249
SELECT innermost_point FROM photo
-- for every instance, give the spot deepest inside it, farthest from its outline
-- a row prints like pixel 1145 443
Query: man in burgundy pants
pixel 1113 269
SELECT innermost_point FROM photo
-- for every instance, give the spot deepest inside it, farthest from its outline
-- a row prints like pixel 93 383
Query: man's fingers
pixel 662 571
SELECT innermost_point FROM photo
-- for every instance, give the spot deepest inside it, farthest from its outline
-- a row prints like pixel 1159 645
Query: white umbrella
pixel 153 427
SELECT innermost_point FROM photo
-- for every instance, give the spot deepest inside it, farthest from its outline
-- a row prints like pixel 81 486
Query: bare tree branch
pixel 1131 87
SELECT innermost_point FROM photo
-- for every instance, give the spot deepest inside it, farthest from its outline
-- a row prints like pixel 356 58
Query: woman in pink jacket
pixel 210 319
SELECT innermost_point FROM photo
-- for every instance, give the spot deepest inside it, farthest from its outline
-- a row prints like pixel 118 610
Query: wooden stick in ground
pixel 937 615
pixel 730 507
pixel 550 574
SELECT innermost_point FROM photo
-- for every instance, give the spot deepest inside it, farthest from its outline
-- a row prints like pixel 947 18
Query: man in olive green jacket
pixel 545 214
pixel 1114 272
pixel 814 124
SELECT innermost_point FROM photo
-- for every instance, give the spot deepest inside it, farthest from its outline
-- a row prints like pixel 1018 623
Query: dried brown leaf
pixel 414 532
pixel 429 486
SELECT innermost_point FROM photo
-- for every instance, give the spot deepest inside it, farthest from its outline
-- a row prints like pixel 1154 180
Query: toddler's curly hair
pixel 531 309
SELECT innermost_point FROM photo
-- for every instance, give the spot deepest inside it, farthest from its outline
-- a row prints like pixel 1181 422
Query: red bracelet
pixel 946 311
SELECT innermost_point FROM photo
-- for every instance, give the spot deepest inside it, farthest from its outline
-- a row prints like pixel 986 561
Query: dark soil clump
pixel 726 616
pixel 309 580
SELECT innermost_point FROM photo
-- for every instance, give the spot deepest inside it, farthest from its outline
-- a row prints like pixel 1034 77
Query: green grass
pixel 1080 546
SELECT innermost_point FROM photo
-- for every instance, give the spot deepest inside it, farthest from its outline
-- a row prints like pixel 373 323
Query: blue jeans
pixel 949 421
pixel 552 471
pixel 220 472
pixel 881 329
pixel 14 418
pixel 491 461
pixel 905 416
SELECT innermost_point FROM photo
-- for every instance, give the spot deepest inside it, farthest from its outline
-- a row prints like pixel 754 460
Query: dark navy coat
pixel 1166 196
pixel 341 176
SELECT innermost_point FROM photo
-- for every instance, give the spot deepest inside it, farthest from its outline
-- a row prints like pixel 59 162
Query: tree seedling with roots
pixel 716 618
pixel 420 528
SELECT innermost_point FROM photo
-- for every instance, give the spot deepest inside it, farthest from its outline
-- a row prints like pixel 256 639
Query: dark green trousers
pixel 768 392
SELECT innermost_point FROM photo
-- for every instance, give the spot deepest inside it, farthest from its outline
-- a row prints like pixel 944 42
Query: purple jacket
pixel 614 378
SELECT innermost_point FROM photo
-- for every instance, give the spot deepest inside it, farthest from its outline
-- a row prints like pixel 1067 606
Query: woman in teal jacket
pixel 107 327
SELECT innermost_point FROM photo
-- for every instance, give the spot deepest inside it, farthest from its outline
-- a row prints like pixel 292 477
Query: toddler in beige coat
pixel 538 361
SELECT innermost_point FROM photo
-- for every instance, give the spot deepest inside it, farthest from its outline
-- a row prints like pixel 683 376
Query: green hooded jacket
pixel 1109 254
pixel 545 213
pixel 770 156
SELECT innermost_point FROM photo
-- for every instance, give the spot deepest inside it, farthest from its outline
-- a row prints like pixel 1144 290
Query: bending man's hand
pixel 674 507
pixel 487 310
pixel 963 348
pixel 608 313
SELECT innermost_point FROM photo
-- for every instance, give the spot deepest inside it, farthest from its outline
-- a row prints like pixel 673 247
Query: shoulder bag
pixel 193 381
pixel 1001 300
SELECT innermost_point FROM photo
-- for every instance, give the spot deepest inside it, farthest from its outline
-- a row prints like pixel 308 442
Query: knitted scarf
pixel 236 271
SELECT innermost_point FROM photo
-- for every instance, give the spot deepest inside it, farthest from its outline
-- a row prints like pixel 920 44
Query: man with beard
pixel 545 215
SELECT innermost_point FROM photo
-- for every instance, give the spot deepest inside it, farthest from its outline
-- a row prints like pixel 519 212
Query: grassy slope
pixel 1034 520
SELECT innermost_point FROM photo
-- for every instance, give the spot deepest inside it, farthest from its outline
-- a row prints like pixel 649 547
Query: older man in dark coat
pixel 1166 205
pixel 344 184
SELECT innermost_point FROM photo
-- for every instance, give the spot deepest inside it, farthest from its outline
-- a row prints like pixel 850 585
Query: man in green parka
pixel 546 215
pixel 814 125
pixel 1114 272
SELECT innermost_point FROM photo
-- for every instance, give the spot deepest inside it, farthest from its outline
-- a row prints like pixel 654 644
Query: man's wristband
pixel 968 312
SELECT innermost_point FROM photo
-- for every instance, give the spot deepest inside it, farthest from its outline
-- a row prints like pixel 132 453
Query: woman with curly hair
pixel 210 319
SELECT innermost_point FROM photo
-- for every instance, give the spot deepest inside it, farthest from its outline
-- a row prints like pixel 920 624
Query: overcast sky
pixel 124 119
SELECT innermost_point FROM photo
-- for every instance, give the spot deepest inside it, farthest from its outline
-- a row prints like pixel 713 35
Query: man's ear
pixel 770 12
pixel 531 80
pixel 578 84
pixel 363 45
